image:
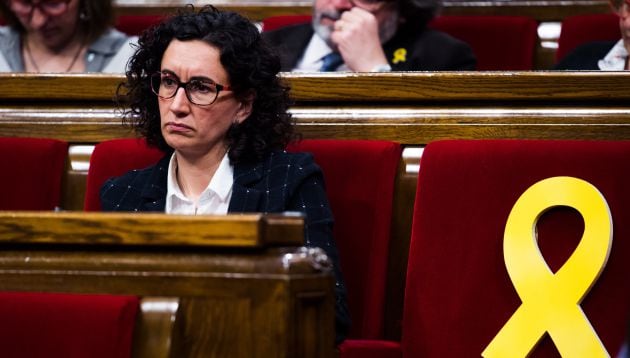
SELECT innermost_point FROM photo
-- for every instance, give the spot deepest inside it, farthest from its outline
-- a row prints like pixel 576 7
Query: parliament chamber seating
pixel 458 293
pixel 34 168
pixel 362 222
pixel 413 109
pixel 276 22
pixel 53 325
pixel 134 25
pixel 580 29
pixel 359 177
pixel 500 43
pixel 114 158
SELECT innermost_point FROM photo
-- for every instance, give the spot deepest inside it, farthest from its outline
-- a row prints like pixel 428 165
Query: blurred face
pixel 189 128
pixel 52 23
pixel 326 12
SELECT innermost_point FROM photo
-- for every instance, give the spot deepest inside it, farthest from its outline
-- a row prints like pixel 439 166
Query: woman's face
pixel 52 23
pixel 192 129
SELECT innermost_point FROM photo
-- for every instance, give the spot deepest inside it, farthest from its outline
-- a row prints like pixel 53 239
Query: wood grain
pixel 360 87
pixel 253 230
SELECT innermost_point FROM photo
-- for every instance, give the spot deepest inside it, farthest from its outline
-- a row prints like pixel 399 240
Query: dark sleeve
pixel 431 50
pixel 461 58
pixel 109 195
pixel 585 57
pixel 309 197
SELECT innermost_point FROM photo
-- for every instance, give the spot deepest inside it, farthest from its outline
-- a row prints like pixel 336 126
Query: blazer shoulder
pixel 127 190
pixel 585 56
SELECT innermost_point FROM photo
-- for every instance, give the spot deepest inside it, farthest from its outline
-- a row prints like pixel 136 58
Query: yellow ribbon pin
pixel 400 55
pixel 551 302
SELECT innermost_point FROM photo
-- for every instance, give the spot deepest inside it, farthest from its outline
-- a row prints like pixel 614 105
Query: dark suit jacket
pixel 281 182
pixel 585 57
pixel 426 49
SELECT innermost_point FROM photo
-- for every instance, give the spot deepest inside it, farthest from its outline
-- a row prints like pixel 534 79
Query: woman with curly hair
pixel 203 87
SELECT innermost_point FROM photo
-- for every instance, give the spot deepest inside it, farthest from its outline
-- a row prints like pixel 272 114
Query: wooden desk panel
pixel 261 302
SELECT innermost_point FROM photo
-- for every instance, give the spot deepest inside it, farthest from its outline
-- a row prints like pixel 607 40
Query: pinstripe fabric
pixel 281 182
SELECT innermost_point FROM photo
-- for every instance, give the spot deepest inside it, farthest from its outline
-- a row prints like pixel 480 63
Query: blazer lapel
pixel 245 198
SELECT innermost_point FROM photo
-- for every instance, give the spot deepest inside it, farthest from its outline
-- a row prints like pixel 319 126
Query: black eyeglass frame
pixel 157 76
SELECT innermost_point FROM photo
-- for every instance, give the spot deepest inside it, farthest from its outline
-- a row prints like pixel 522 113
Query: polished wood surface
pixel 210 301
pixel 410 108
pixel 396 87
pixel 248 230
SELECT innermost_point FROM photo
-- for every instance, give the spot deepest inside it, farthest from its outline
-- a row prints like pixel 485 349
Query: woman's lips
pixel 178 127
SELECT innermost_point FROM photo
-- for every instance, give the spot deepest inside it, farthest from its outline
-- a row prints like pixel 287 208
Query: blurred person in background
pixel 61 36
pixel 370 36
pixel 603 55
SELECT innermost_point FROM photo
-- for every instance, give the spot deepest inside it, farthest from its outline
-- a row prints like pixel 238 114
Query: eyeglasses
pixel 370 5
pixel 621 8
pixel 49 7
pixel 198 91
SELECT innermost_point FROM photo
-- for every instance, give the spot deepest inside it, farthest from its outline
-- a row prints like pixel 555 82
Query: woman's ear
pixel 245 107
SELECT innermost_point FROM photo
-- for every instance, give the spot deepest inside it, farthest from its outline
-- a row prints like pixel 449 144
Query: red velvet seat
pixel 580 29
pixel 276 22
pixel 33 170
pixel 38 325
pixel 458 292
pixel 500 43
pixel 134 25
pixel 359 177
pixel 113 158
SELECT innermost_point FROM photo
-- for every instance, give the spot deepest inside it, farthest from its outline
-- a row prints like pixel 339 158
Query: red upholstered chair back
pixel 276 22
pixel 458 292
pixel 134 25
pixel 359 177
pixel 113 158
pixel 48 325
pixel 580 29
pixel 500 43
pixel 32 173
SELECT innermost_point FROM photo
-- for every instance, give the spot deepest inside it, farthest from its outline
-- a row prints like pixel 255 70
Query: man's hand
pixel 357 38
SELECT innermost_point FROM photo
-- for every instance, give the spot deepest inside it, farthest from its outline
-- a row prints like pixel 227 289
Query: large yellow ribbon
pixel 551 302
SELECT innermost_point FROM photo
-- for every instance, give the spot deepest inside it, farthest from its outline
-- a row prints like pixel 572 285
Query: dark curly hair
pixel 96 16
pixel 250 63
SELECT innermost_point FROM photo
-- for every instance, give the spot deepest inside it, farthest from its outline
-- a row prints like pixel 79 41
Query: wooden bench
pixel 411 108
pixel 236 285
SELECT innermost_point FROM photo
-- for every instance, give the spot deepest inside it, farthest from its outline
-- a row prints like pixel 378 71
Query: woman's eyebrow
pixel 202 78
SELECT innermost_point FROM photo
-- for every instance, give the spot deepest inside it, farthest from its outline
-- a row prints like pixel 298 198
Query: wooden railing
pixel 411 108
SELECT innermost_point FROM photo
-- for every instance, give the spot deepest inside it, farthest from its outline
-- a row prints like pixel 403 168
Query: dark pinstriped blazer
pixel 281 182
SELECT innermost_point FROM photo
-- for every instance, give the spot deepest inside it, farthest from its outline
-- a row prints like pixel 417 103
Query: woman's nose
pixel 38 18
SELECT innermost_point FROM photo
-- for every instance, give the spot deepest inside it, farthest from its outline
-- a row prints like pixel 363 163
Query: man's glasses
pixel 48 7
pixel 621 8
pixel 198 91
